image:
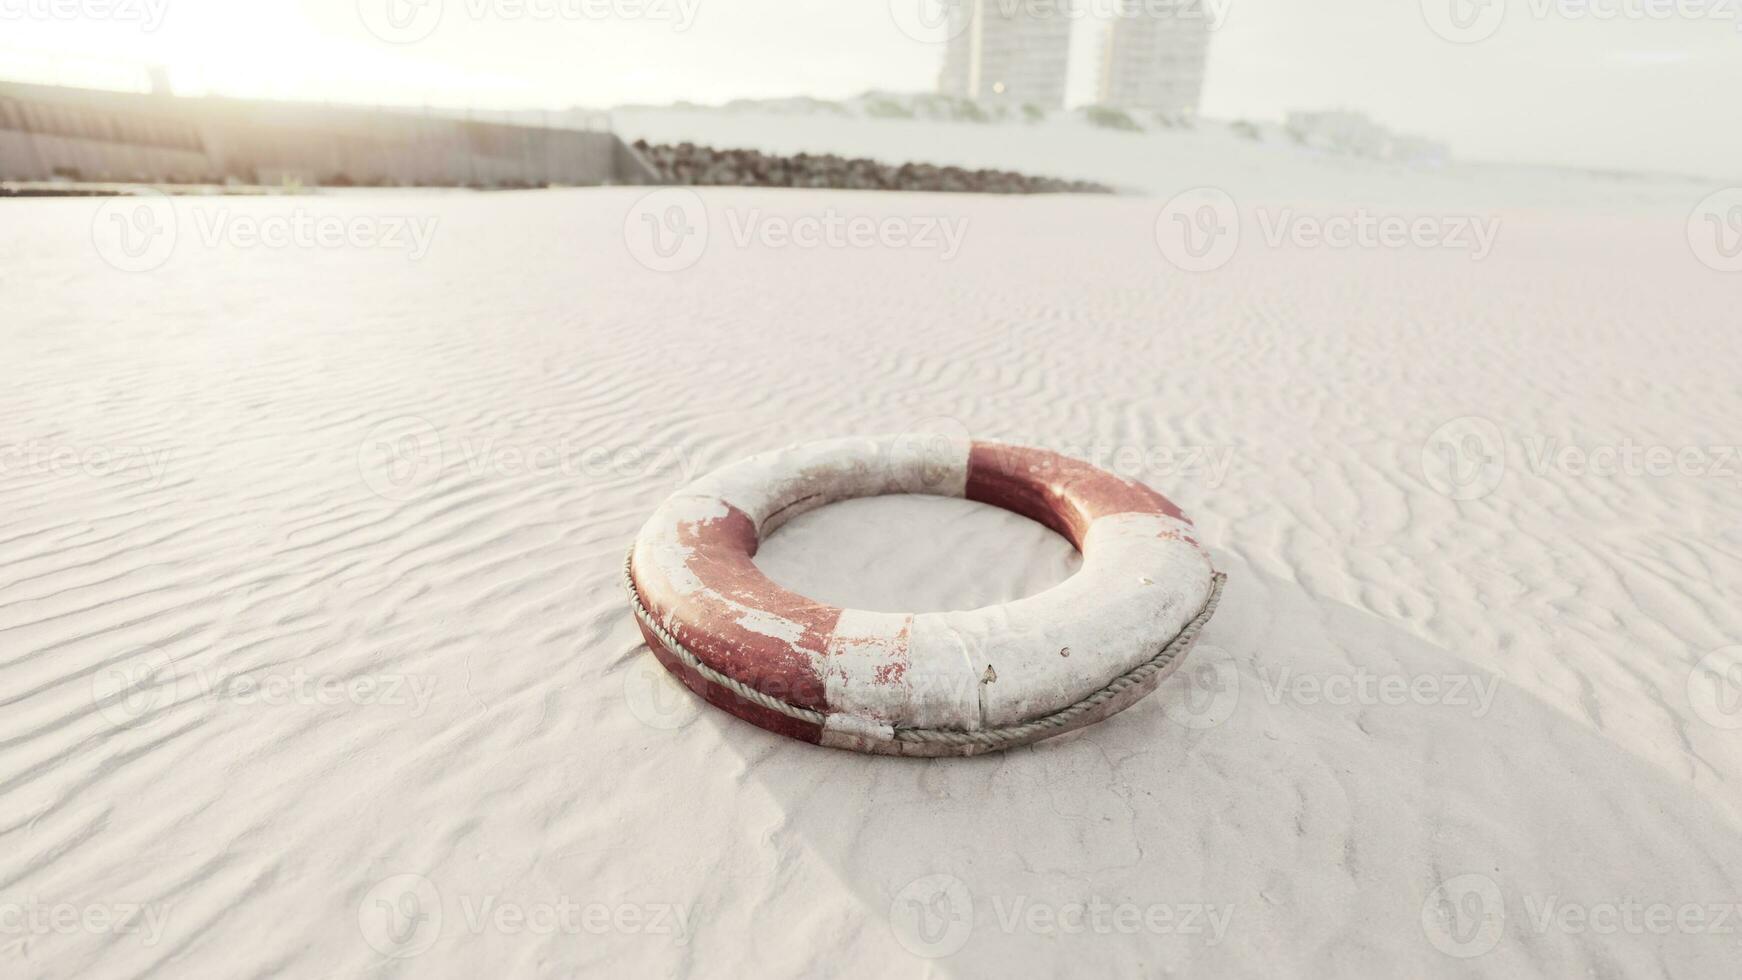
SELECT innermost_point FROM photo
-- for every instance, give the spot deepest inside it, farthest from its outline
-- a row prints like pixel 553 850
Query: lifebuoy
pixel 928 684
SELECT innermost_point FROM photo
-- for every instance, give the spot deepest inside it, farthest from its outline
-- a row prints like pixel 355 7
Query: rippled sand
pixel 313 645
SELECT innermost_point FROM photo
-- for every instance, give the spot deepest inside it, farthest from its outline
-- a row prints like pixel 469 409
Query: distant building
pixel 1008 54
pixel 1155 58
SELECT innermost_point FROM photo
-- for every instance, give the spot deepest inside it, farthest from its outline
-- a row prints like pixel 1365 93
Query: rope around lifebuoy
pixel 948 736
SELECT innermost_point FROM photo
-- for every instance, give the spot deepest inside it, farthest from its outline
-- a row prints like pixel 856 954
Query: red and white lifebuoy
pixel 928 684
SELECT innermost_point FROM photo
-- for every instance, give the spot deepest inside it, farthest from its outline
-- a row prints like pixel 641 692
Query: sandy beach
pixel 311 617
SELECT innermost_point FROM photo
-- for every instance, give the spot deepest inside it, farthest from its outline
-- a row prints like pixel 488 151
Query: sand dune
pixel 314 659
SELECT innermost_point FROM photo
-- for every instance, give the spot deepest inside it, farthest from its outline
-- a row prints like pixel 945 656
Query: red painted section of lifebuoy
pixel 1065 494
pixel 712 621
pixel 728 701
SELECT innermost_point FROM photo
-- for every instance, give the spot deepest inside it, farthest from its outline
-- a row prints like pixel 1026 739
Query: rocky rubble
pixel 687 163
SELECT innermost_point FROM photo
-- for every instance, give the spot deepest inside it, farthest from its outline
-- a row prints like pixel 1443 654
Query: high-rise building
pixel 1155 58
pixel 1008 54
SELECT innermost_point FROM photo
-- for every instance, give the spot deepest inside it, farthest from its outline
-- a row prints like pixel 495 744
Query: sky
pixel 1613 84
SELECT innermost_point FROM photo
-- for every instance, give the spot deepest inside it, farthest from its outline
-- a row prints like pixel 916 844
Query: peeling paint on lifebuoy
pixel 867 674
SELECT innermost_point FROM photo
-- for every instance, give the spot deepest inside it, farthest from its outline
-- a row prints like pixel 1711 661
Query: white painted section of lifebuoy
pixel 842 731
pixel 773 487
pixel 776 486
pixel 872 672
pixel 1142 580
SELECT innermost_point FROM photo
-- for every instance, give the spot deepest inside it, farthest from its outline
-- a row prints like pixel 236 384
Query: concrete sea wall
pixel 48 132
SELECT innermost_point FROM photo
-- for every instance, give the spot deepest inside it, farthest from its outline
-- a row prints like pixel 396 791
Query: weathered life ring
pixel 927 684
